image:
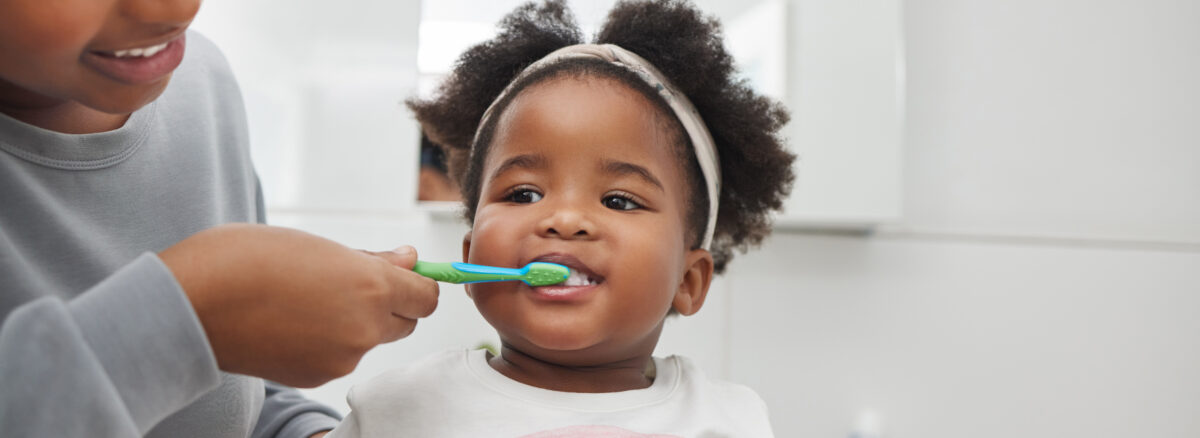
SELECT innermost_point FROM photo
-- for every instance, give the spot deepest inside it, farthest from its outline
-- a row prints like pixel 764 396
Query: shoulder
pixel 203 80
pixel 423 377
pixel 203 104
pixel 692 376
pixel 202 57
pixel 740 406
pixel 415 398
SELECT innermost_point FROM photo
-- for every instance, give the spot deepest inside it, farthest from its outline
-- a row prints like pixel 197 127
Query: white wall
pixel 1046 279
pixel 950 338
pixel 324 84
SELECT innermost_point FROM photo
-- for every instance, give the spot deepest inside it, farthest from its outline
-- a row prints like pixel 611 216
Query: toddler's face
pixel 581 173
pixel 66 50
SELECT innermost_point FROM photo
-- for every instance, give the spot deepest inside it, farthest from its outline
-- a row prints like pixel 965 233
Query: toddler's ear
pixel 467 252
pixel 693 287
pixel 466 246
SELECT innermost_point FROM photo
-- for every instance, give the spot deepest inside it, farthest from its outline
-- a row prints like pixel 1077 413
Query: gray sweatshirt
pixel 96 336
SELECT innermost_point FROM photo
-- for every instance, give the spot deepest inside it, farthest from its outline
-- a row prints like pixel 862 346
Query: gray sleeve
pixel 114 361
pixel 287 414
pixel 260 205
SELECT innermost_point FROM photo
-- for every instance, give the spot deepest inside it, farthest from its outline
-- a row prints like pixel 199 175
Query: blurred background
pixel 995 229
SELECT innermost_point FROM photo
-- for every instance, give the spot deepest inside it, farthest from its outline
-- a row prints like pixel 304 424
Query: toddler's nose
pixel 567 223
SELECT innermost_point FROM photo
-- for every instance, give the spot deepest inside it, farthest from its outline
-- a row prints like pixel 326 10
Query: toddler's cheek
pixel 494 239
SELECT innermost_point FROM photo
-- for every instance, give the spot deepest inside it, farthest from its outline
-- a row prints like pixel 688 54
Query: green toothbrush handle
pixel 448 273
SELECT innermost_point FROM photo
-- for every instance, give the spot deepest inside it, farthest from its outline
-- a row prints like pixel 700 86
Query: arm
pixel 285 412
pixel 114 361
pixel 262 301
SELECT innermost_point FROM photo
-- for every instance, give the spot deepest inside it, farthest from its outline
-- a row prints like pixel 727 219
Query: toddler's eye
pixel 620 202
pixel 522 195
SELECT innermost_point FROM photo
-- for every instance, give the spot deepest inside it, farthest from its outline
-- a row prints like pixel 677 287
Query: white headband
pixel 702 142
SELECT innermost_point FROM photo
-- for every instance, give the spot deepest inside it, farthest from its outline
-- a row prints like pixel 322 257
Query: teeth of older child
pixel 140 52
pixel 578 279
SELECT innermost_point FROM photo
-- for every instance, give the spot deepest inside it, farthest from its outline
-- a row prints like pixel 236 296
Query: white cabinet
pixel 839 68
pixel 845 90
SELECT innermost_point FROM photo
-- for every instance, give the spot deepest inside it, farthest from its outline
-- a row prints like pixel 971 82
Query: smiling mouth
pixel 139 52
pixel 138 65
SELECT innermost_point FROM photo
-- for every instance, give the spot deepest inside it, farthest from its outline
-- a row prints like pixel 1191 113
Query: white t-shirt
pixel 457 394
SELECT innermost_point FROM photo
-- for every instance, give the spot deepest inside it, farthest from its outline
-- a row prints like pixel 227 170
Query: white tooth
pixel 135 52
pixel 154 50
pixel 120 53
pixel 576 279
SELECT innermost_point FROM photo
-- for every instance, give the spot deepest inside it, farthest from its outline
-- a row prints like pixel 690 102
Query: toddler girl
pixel 640 163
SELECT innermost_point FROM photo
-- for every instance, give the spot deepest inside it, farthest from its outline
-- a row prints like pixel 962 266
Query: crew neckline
pixel 76 151
pixel 666 382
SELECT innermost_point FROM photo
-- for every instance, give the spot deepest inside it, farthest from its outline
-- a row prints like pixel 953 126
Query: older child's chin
pixel 126 99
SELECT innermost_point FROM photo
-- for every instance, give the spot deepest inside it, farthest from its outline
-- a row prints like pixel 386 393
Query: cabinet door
pixel 839 67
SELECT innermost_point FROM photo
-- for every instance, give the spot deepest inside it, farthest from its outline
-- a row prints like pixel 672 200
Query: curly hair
pixel 687 48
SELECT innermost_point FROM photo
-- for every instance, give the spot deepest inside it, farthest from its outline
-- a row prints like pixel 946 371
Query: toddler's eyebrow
pixel 622 168
pixel 524 161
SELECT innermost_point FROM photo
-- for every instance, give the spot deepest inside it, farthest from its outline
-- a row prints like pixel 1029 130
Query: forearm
pixel 112 362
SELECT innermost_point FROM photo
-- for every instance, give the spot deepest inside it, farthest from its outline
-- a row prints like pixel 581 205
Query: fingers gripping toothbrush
pixel 533 274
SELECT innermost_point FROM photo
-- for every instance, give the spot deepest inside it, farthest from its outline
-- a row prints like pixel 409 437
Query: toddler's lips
pixel 138 65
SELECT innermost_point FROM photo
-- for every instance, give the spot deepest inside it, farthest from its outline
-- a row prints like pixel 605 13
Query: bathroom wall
pixel 1045 279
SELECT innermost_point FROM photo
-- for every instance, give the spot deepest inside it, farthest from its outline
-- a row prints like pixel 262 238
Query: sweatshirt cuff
pixel 142 328
pixel 306 424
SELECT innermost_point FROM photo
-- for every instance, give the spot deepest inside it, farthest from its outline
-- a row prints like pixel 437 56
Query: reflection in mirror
pixel 434 183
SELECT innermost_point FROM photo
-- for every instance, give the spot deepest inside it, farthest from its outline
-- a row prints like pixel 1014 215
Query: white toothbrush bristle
pixel 579 279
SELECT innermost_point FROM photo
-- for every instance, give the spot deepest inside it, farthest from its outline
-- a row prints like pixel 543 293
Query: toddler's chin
pixel 563 341
pixel 561 346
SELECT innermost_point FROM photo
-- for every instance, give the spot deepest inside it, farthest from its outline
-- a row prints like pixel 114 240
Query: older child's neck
pixel 57 115
pixel 622 375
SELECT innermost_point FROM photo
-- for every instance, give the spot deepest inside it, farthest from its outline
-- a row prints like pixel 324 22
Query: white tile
pixel 1066 117
pixel 942 339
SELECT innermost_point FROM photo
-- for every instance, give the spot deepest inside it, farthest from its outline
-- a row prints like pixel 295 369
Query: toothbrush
pixel 533 274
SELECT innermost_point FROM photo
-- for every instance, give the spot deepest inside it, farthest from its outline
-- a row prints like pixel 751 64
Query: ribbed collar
pixel 76 151
pixel 665 384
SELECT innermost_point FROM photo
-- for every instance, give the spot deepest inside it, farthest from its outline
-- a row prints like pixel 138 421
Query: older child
pixel 640 163
pixel 121 135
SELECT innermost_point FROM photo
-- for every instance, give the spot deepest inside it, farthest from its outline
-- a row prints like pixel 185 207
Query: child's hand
pixel 295 308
